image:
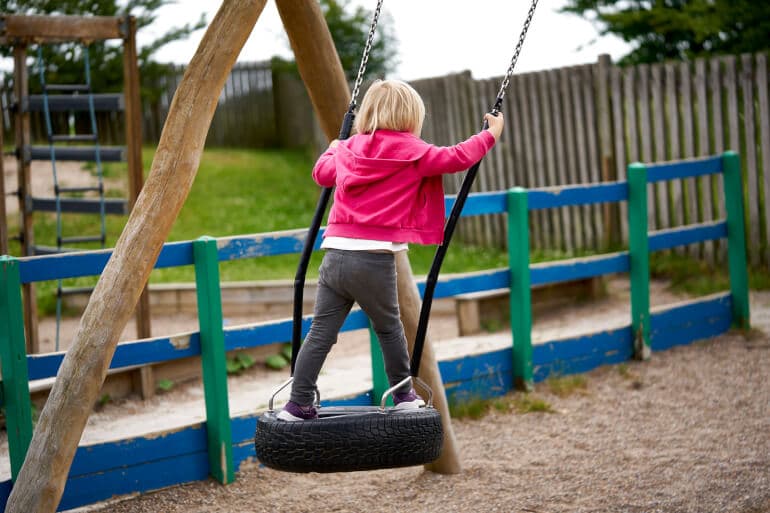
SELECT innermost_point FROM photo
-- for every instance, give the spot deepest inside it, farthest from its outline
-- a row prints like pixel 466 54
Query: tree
pixel 663 30
pixel 350 30
pixel 64 63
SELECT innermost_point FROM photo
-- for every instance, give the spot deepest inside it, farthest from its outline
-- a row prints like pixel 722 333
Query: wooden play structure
pixel 50 471
pixel 20 32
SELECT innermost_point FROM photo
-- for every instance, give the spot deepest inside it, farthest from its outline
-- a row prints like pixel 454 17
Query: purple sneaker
pixel 293 412
pixel 407 400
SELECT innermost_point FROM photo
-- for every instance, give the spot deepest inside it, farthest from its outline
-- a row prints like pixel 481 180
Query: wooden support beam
pixel 40 483
pixel 321 70
pixel 16 29
pixel 409 302
pixel 144 381
pixel 22 131
pixel 317 60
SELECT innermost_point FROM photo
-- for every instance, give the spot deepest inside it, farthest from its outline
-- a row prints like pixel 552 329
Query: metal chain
pixel 516 52
pixel 367 50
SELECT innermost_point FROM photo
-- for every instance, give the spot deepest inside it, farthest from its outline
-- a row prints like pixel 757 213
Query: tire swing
pixel 354 438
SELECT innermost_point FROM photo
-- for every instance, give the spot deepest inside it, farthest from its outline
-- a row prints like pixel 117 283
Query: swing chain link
pixel 516 52
pixel 365 57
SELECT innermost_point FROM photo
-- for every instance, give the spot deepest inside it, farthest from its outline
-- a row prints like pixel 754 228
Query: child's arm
pixel 325 170
pixel 452 159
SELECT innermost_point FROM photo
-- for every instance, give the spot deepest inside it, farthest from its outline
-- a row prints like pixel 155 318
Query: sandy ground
pixel 686 431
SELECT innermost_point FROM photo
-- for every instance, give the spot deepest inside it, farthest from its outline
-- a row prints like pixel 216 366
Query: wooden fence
pixel 246 114
pixel 586 123
pixel 577 124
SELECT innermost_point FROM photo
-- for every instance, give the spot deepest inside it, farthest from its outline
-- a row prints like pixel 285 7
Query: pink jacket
pixel 389 184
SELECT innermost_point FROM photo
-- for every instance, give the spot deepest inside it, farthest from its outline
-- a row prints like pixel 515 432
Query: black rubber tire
pixel 346 439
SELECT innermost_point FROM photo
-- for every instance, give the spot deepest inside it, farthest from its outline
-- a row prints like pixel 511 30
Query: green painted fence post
pixel 213 360
pixel 379 378
pixel 639 252
pixel 13 356
pixel 736 239
pixel 521 298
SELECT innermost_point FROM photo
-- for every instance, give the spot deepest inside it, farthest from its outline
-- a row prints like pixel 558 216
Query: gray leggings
pixel 346 277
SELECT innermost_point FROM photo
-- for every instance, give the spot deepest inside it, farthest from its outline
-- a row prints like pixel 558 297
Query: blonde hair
pixel 390 105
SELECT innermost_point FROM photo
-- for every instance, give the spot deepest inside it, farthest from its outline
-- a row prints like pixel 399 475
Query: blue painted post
pixel 521 298
pixel 736 239
pixel 13 356
pixel 639 252
pixel 213 360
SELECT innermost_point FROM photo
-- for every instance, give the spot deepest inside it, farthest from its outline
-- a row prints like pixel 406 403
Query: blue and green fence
pixel 218 446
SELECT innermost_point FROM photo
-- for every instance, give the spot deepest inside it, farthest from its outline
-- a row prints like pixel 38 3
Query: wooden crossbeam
pixel 15 29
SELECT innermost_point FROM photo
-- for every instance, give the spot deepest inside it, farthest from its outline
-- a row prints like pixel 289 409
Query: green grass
pixel 518 402
pixel 698 277
pixel 564 386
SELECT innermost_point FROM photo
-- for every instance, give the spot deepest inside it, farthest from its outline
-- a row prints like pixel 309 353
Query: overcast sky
pixel 435 37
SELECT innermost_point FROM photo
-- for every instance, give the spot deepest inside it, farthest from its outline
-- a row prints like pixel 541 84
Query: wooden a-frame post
pixel 321 71
pixel 40 484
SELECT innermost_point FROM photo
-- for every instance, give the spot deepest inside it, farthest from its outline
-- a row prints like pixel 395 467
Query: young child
pixel 388 193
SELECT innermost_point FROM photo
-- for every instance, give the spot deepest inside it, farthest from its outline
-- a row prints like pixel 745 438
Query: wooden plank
pixel 749 156
pixel 561 162
pixel 133 117
pixel 579 268
pixel 505 177
pixel 594 165
pixel 662 199
pixel 536 124
pixel 582 353
pixel 764 144
pixel 610 213
pixel 645 138
pixel 578 113
pixel 23 173
pixel 522 86
pixel 689 321
pixel 672 108
pixel 488 172
pixel 715 90
pixel 688 149
pixel 620 141
pixel 681 169
pixel 52 29
pixel 549 168
pixel 731 103
pixel 704 186
pixel 572 164
pixel 554 197
pixel 690 234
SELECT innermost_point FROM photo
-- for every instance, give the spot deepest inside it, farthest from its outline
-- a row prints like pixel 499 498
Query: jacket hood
pixel 367 158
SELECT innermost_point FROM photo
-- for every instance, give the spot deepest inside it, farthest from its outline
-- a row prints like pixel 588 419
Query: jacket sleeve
pixel 439 160
pixel 325 169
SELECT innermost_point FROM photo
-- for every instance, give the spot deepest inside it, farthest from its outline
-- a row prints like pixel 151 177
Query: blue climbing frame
pixel 101 471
